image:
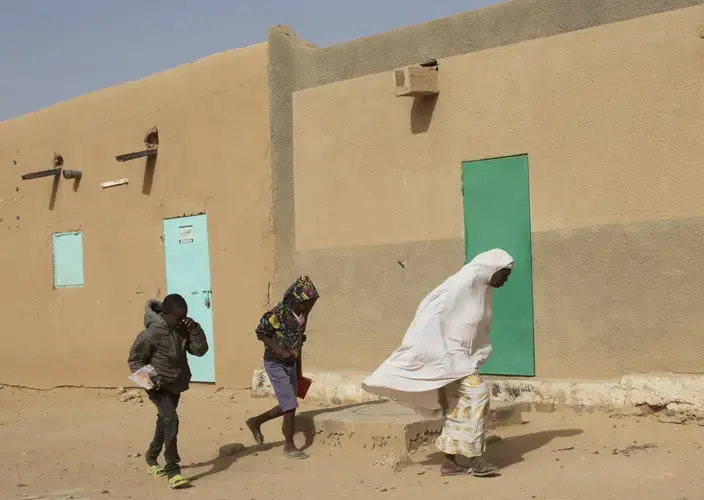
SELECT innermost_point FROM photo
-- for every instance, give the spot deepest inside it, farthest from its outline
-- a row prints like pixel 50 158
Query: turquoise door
pixel 497 215
pixel 188 274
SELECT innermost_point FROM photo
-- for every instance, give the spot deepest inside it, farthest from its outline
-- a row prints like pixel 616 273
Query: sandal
pixel 256 432
pixel 449 468
pixel 178 482
pixel 296 455
pixel 458 471
pixel 156 471
pixel 481 468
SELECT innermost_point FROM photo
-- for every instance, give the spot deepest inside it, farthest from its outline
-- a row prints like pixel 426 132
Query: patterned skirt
pixel 466 419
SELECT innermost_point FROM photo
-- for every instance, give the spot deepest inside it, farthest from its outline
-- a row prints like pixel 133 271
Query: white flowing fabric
pixel 447 340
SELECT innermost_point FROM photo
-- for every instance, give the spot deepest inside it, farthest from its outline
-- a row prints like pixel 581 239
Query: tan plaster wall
pixel 609 113
pixel 610 117
pixel 296 65
pixel 212 117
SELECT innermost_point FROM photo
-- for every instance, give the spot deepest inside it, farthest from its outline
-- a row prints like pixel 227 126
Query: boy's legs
pixel 289 431
pixel 288 428
pixel 166 404
pixel 255 423
pixel 152 455
pixel 284 380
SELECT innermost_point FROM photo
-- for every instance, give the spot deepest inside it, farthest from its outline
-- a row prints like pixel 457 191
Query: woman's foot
pixel 482 468
pixel 256 430
pixel 450 467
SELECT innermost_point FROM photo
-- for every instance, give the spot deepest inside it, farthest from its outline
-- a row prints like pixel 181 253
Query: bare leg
pixel 289 429
pixel 255 423
pixel 290 450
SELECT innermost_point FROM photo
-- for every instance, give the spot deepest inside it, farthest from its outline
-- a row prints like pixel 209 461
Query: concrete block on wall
pixel 416 81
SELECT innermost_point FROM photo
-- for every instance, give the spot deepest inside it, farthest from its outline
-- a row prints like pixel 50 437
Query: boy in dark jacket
pixel 169 334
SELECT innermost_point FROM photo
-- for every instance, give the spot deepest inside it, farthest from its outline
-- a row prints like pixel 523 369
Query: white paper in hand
pixel 143 377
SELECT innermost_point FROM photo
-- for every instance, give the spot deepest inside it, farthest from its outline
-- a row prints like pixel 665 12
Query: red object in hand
pixel 303 386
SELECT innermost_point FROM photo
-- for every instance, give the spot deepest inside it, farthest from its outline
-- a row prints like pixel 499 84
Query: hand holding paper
pixel 143 377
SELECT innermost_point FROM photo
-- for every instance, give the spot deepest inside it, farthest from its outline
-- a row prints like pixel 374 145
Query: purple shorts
pixel 284 381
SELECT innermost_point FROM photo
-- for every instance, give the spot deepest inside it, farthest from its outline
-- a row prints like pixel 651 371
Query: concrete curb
pixel 328 388
pixel 384 426
pixel 674 397
pixel 670 395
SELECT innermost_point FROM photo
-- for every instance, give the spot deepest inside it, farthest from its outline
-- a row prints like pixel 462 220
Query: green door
pixel 497 215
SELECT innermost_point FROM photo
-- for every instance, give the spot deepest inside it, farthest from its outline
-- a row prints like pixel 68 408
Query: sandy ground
pixel 83 444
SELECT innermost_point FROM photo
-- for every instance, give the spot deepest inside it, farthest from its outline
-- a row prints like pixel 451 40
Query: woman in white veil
pixel 436 367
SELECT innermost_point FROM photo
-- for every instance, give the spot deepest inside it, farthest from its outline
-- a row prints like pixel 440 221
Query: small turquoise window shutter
pixel 68 259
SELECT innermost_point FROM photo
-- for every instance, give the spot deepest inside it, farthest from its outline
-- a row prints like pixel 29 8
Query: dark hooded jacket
pixel 165 349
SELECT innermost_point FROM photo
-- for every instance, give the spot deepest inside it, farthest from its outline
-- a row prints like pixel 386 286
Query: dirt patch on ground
pixel 87 444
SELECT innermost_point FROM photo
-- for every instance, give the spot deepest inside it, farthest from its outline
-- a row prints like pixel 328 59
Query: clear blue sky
pixel 52 50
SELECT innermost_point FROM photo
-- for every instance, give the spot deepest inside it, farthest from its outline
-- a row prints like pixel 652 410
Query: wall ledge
pixel 676 398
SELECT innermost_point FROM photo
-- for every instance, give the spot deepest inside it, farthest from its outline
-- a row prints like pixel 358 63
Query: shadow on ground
pixel 227 456
pixel 510 451
pixel 230 453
